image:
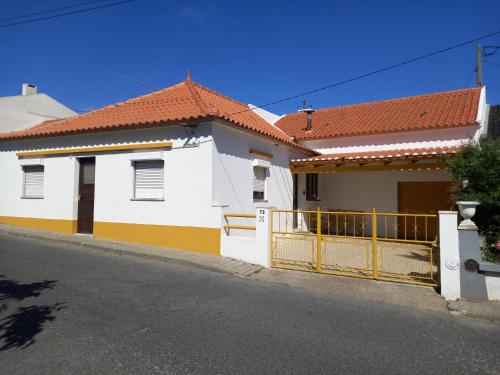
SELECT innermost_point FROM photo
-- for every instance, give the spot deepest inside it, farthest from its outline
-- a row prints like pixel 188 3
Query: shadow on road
pixel 11 290
pixel 18 330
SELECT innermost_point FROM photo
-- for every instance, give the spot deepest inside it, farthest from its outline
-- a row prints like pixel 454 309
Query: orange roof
pixel 432 111
pixel 416 153
pixel 185 101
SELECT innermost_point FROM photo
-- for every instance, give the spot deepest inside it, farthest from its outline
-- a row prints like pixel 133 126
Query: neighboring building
pixel 163 168
pixel 494 122
pixel 28 109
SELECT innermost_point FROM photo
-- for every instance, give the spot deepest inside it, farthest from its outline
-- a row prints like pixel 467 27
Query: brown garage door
pixel 427 197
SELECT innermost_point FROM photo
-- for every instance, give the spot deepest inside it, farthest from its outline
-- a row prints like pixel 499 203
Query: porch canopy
pixel 376 161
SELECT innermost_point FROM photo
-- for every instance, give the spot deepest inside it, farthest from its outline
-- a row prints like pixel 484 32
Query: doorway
pixel 295 202
pixel 86 192
pixel 423 197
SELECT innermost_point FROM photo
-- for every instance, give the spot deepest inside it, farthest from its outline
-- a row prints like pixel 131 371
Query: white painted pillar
pixel 263 236
pixel 449 255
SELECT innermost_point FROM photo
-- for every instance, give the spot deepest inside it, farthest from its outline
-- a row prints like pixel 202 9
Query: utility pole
pixel 479 69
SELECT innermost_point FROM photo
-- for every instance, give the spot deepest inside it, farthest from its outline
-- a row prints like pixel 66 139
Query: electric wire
pixel 51 10
pixel 374 72
pixel 67 13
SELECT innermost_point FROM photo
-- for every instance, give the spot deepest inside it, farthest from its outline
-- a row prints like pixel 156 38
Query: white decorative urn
pixel 467 211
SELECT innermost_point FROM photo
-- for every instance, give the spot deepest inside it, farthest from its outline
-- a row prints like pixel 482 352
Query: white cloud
pixel 200 12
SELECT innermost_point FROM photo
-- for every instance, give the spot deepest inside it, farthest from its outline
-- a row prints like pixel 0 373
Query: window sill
pixel 260 200
pixel 313 200
pixel 31 197
pixel 148 199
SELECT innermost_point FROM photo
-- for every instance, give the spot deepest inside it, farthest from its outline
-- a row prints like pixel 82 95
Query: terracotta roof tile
pixel 432 111
pixel 182 102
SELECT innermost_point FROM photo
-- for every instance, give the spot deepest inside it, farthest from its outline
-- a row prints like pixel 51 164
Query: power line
pixel 492 49
pixel 131 79
pixel 67 13
pixel 491 63
pixel 470 76
pixel 51 10
pixel 365 75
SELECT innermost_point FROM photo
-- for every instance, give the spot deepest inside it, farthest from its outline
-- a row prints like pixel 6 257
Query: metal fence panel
pixel 396 247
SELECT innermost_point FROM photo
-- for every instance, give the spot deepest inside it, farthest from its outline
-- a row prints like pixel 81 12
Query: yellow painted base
pixel 52 225
pixel 201 240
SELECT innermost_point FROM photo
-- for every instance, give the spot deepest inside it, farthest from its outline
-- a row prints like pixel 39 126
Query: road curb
pixel 454 308
pixel 120 249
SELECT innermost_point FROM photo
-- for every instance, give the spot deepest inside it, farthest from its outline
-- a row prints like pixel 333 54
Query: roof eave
pixel 118 127
pixel 242 127
pixel 146 125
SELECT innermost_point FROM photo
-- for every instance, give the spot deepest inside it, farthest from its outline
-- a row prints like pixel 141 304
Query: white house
pixel 387 154
pixel 30 108
pixel 159 169
pixel 164 168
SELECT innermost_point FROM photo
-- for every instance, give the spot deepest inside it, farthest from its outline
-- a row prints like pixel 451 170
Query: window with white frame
pixel 312 187
pixel 33 181
pixel 259 183
pixel 148 179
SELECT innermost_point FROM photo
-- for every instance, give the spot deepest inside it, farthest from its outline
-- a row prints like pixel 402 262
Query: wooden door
pixel 86 196
pixel 422 197
pixel 295 202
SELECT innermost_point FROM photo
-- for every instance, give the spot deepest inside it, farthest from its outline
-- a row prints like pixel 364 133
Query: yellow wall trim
pixel 198 239
pixel 52 225
pixel 85 150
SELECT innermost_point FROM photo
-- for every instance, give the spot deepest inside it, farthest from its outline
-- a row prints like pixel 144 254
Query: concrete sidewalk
pixel 210 262
pixel 411 296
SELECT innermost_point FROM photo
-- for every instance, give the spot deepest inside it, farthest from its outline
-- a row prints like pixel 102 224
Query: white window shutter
pixel 33 180
pixel 259 179
pixel 149 178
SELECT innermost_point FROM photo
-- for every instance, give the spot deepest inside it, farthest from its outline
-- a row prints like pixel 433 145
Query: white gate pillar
pixel 263 236
pixel 449 255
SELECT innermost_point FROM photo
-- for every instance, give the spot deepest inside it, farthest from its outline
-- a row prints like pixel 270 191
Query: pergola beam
pixel 376 166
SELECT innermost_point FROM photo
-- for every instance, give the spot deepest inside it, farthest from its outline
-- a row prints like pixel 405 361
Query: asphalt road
pixel 68 310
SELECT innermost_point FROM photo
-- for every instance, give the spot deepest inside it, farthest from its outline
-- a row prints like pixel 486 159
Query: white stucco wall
pixel 396 141
pixel 449 255
pixel 188 187
pixel 492 282
pixel 59 187
pixel 457 246
pixel 205 174
pixel 233 187
pixel 233 170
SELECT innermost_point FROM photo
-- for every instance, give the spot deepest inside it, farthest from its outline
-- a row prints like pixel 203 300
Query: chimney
pixel 29 89
pixel 309 112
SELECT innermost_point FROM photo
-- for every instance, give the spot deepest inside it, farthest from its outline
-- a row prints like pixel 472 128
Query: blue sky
pixel 255 52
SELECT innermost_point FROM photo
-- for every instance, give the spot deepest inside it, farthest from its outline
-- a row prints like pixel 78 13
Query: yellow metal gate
pixel 384 246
